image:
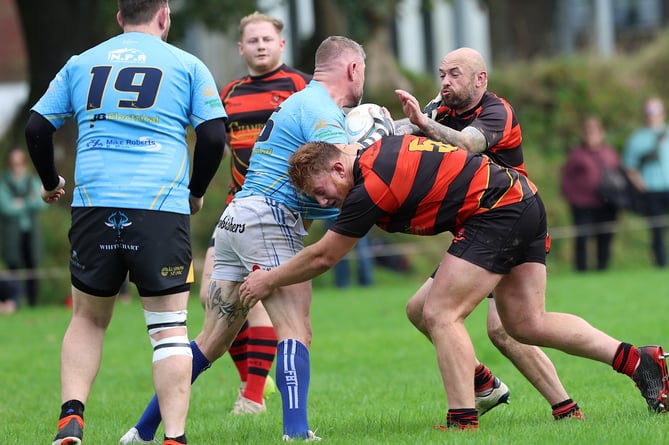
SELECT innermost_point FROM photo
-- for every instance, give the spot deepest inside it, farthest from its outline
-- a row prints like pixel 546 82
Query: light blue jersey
pixel 647 150
pixel 308 115
pixel 132 97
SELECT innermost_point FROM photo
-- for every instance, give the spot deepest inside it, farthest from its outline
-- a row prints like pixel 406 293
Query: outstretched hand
pixel 256 287
pixel 411 108
pixel 51 196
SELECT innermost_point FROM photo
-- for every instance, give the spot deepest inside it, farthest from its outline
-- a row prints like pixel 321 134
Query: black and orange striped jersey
pixel 415 185
pixel 249 102
pixel 492 116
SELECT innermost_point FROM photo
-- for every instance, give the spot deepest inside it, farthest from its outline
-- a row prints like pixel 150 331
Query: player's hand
pixel 412 109
pixel 195 203
pixel 255 287
pixel 383 126
pixel 51 196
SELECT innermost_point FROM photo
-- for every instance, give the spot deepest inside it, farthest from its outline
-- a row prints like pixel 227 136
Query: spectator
pixel 646 158
pixel 20 202
pixel 580 179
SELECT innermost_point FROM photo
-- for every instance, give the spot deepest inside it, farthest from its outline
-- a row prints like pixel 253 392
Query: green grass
pixel 374 379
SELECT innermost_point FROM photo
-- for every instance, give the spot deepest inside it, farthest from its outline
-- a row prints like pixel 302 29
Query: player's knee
pixel 414 312
pixel 168 334
pixel 498 336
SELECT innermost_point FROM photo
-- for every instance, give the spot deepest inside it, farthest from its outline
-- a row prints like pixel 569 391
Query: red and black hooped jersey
pixel 249 102
pixel 495 118
pixel 415 185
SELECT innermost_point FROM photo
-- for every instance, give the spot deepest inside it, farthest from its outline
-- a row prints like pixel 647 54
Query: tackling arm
pixel 307 264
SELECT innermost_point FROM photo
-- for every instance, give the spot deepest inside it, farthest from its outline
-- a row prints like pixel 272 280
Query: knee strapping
pixel 157 322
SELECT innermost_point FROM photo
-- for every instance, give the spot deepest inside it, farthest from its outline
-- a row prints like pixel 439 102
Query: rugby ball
pixel 359 123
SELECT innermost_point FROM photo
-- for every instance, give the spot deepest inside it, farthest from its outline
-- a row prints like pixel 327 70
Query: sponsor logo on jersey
pixel 126 55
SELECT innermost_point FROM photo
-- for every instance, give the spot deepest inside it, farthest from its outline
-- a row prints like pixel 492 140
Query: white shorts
pixel 255 231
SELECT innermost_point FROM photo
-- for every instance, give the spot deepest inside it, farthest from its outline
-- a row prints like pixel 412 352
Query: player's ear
pixel 352 69
pixel 339 169
pixel 164 18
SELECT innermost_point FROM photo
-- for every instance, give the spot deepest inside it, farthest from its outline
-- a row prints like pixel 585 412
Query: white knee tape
pixel 157 322
pixel 170 346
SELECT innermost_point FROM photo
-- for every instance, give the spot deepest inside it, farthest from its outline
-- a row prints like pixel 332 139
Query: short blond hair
pixel 255 17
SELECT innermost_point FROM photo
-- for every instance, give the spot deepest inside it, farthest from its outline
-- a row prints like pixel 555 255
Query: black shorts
pixel 504 237
pixel 153 247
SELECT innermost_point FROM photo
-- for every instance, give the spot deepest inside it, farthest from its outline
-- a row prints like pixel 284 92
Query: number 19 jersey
pixel 132 97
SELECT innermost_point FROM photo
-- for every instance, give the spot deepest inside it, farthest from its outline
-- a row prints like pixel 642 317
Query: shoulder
pixel 490 100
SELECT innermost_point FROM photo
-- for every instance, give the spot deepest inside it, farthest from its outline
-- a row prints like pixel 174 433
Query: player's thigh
pixel 520 295
pixel 97 309
pixel 458 287
pixel 207 268
pixel 289 309
pixel 258 316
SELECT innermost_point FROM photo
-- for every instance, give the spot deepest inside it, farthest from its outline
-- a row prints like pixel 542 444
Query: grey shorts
pixel 255 231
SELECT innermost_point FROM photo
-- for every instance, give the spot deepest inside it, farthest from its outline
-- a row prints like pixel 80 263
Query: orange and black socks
pixel 626 359
pixel 261 351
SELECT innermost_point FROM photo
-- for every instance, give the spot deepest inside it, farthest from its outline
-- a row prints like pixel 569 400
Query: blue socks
pixel 148 423
pixel 292 380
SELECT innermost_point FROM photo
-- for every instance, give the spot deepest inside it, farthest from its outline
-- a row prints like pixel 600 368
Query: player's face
pixel 458 85
pixel 328 188
pixel 261 47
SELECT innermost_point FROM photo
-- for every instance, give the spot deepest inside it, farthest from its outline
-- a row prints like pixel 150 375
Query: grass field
pixel 374 379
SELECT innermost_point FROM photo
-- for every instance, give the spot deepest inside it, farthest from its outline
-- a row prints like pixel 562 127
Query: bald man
pixel 467 115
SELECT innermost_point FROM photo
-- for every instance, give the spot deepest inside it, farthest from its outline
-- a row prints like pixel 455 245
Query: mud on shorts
pixel 504 237
pixel 255 231
pixel 153 247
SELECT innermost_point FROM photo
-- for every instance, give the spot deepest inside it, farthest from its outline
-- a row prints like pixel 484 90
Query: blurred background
pixel 555 61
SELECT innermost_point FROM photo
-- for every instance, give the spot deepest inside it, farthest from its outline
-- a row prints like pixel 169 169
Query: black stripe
pixel 171 345
pixel 174 324
pixel 261 356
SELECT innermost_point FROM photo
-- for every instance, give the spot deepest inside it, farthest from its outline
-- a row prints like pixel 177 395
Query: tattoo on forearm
pixel 441 133
pixel 226 310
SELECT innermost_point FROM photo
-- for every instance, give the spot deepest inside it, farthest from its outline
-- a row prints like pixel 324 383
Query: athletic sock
pixel 564 409
pixel 150 419
pixel 462 418
pixel 483 378
pixel 261 352
pixel 72 407
pixel 181 440
pixel 239 352
pixel 292 380
pixel 626 359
